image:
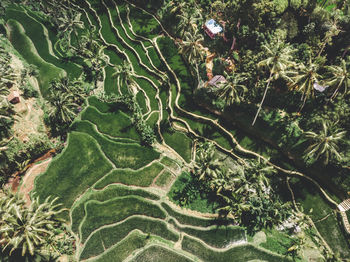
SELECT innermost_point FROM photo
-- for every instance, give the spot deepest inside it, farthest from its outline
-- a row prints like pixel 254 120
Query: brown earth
pixel 28 179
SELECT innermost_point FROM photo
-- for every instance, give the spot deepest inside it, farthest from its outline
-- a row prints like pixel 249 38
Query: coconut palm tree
pixel 69 22
pixel 305 79
pixel 232 90
pixel 61 107
pixel 192 50
pixel 124 75
pixel 206 165
pixel 324 144
pixel 188 21
pixel 340 78
pixel 278 61
pixel 25 229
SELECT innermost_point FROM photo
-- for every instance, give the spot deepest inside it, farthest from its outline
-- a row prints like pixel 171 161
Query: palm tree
pixel 279 59
pixel 192 49
pixel 232 90
pixel 206 165
pixel 188 21
pixel 61 107
pixel 324 144
pixel 340 77
pixel 124 75
pixel 69 22
pixel 305 79
pixel 25 229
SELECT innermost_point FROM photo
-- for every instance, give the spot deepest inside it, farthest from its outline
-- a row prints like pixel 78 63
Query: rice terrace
pixel 174 131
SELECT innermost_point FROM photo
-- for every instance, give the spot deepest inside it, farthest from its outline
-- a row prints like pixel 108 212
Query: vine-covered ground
pixel 116 189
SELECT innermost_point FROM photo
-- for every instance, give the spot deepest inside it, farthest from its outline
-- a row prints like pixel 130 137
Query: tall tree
pixel 206 165
pixel 340 78
pixel 324 144
pixel 192 50
pixel 27 229
pixel 279 59
pixel 124 75
pixel 188 21
pixel 61 108
pixel 305 79
pixel 232 90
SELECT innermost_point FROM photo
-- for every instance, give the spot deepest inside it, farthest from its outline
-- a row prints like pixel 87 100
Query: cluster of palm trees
pixel 29 230
pixel 243 189
pixel 279 62
pixel 64 102
pixel 8 78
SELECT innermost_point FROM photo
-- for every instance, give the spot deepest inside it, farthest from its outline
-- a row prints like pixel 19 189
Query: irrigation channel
pixel 115 189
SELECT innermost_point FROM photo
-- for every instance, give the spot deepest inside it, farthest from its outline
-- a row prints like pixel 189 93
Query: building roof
pixel 213 27
pixel 319 88
pixel 216 80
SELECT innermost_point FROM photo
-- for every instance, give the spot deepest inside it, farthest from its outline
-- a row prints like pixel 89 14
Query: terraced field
pixel 114 188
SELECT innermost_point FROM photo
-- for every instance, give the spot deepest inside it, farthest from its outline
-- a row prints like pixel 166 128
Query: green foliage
pixel 111 191
pixel 215 236
pixel 164 179
pixel 115 123
pixel 18 153
pixel 142 177
pixel 79 166
pixel 180 143
pixel 242 253
pixel 280 5
pixel 115 210
pixel 129 101
pixel 28 230
pixel 114 234
pixel 157 253
pixel 24 45
pixel 123 249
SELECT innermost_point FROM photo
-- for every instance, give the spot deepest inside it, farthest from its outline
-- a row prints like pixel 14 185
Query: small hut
pixel 13 97
pixel 212 28
pixel 216 80
pixel 319 88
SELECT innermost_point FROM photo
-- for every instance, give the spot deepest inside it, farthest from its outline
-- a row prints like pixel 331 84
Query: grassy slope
pixel 35 30
pixel 75 170
pixel 23 44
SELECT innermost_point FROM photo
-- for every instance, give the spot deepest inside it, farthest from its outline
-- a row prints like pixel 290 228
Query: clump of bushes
pixel 129 103
pixel 18 153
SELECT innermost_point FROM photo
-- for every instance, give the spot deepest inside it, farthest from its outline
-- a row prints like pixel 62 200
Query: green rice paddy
pixel 115 190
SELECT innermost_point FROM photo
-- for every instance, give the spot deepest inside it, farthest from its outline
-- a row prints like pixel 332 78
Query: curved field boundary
pixel 233 139
pixel 114 233
pixel 24 45
pixel 240 253
pixel 121 250
pixel 160 253
pixel 42 34
pixel 157 97
pixel 215 122
pixel 116 209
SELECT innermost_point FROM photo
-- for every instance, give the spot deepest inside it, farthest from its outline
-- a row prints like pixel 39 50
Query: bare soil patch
pixel 28 179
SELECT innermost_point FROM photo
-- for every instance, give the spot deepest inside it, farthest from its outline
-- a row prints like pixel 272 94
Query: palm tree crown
pixel 232 90
pixel 305 79
pixel 124 74
pixel 340 78
pixel 26 229
pixel 278 61
pixel 324 144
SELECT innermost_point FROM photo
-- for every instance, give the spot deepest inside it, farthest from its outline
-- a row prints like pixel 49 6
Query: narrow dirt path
pixel 28 179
